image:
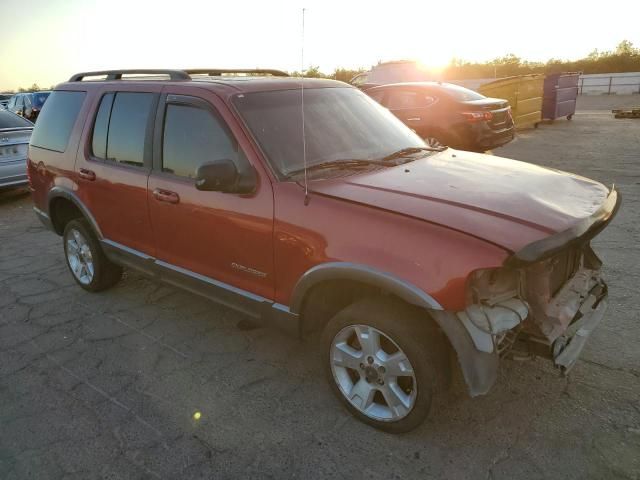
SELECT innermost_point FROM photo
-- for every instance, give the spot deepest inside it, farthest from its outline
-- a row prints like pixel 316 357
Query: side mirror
pixel 223 176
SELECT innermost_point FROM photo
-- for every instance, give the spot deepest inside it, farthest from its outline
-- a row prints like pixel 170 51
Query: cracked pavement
pixel 106 385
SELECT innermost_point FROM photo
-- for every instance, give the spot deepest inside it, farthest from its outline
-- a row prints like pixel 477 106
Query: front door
pixel 225 239
pixel 114 165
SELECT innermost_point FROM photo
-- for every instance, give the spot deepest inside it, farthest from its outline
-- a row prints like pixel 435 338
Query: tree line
pixel 624 58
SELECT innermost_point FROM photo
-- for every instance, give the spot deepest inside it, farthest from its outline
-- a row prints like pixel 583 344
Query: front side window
pixel 340 124
pixel 193 136
pixel 120 128
pixel 56 120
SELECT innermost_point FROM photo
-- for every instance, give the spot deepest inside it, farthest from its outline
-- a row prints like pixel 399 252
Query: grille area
pixel 563 267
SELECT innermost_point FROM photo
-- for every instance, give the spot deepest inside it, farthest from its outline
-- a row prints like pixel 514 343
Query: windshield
pixel 39 98
pixel 9 120
pixel 460 93
pixel 340 124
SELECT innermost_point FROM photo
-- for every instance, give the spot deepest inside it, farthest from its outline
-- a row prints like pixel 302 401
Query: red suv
pixel 332 218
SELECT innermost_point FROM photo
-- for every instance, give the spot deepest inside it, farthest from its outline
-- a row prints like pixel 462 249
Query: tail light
pixel 473 117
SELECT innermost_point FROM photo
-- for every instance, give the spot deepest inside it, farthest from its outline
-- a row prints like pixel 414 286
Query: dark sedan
pixel 28 105
pixel 447 114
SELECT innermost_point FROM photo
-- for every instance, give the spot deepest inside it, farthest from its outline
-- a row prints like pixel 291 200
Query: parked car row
pixel 4 99
pixel 462 124
pixel 27 105
pixel 409 259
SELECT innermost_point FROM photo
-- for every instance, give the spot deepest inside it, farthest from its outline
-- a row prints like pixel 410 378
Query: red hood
pixel 506 202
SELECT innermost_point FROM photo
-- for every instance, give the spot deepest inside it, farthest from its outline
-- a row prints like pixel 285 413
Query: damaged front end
pixel 546 309
pixel 546 300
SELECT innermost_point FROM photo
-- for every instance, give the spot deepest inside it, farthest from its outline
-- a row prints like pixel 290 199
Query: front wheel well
pixel 61 212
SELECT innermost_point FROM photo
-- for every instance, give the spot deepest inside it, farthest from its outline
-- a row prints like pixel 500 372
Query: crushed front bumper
pixel 568 346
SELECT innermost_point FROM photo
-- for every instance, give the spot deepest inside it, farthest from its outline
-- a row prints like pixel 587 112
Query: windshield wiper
pixel 337 164
pixel 403 152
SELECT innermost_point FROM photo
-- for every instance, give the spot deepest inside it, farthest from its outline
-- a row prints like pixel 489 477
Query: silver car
pixel 15 133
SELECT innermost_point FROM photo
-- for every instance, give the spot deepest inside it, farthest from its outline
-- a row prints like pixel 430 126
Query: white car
pixel 15 133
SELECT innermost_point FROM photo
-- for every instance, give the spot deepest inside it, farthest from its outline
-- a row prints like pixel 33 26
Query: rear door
pixel 413 107
pixel 114 165
pixel 208 235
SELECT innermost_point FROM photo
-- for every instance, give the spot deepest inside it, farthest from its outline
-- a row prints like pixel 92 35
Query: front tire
pixel 381 358
pixel 88 265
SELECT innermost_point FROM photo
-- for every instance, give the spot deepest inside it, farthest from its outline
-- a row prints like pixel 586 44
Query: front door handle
pixel 87 174
pixel 414 119
pixel 165 196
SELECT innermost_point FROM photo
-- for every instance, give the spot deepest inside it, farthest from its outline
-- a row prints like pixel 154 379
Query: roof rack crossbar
pixel 216 72
pixel 117 74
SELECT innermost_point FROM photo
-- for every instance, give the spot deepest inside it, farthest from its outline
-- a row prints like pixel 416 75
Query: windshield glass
pixel 460 93
pixel 39 98
pixel 9 120
pixel 340 124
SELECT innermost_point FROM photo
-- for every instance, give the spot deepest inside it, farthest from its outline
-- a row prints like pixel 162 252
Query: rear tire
pixel 89 266
pixel 387 383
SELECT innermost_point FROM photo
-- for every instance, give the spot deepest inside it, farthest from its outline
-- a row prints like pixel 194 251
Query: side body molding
pixel 61 192
pixel 361 273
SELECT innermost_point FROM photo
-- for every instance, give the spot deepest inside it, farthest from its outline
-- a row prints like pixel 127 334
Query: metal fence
pixel 620 84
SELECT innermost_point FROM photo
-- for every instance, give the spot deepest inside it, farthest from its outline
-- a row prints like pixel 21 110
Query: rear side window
pixel 9 120
pixel 193 136
pixel 56 120
pixel 399 99
pixel 120 129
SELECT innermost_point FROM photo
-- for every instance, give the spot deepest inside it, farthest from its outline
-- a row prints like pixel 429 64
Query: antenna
pixel 304 137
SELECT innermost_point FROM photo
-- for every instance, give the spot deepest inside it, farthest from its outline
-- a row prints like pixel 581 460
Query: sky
pixel 57 38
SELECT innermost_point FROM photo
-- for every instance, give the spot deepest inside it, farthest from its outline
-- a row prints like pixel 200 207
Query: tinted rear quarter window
pixel 101 127
pixel 128 127
pixel 9 120
pixel 56 120
pixel 193 136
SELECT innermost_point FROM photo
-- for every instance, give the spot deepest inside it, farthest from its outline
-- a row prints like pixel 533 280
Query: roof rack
pixel 176 74
pixel 117 74
pixel 216 72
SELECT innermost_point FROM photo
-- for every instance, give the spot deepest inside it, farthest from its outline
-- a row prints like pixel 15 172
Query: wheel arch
pixel 479 369
pixel 64 205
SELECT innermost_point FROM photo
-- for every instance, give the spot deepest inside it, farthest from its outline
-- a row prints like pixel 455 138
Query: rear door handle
pixel 414 119
pixel 165 196
pixel 87 174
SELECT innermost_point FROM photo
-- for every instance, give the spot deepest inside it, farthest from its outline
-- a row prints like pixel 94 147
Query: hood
pixel 506 202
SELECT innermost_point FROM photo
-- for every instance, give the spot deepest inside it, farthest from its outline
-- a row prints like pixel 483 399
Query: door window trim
pixel 148 140
pixel 158 137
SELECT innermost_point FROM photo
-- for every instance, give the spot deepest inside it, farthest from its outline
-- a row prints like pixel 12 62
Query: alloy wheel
pixel 373 373
pixel 80 257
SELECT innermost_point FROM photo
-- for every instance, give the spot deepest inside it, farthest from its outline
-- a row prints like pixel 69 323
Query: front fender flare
pixel 360 273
